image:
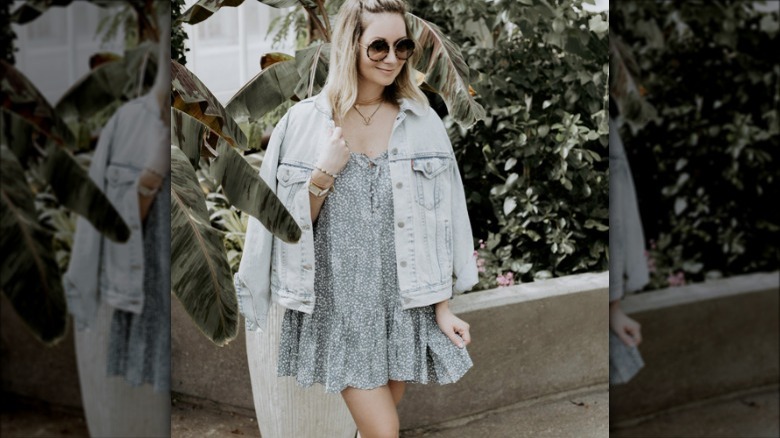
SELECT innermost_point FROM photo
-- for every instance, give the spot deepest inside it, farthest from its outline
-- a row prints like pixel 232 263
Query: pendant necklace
pixel 367 120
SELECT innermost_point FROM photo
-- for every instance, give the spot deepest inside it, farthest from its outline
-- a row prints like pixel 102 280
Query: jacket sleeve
pixel 464 258
pixel 80 281
pixel 253 279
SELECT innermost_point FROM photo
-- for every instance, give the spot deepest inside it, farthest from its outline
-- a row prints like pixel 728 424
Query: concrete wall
pixel 702 341
pixel 30 369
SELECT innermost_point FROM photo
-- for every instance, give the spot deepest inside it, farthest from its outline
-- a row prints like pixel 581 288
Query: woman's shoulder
pixel 304 110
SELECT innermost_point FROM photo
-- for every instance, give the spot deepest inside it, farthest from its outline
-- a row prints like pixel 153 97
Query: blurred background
pixel 697 86
pixel 66 68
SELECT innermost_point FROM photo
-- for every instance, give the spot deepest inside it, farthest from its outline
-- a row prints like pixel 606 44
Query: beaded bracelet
pixel 326 172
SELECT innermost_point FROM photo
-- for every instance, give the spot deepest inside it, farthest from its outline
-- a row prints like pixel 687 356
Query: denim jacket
pixel 433 240
pixel 125 143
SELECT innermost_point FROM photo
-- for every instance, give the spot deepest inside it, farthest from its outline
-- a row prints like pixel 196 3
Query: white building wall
pixel 55 48
pixel 225 49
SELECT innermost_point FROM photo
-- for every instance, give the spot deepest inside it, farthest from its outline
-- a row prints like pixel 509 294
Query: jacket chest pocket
pixel 429 175
pixel 121 183
pixel 289 180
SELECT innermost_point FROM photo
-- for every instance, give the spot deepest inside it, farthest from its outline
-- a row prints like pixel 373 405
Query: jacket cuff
pixel 255 314
pixel 467 278
pixel 83 314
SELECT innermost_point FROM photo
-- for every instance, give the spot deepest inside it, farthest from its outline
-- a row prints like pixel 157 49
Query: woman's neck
pixel 369 93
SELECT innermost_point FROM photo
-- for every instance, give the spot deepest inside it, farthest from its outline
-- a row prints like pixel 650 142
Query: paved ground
pixel 749 415
pixel 578 414
pixel 582 414
pixel 26 418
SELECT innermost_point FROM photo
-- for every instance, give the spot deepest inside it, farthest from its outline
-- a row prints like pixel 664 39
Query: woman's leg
pixel 373 411
pixel 397 387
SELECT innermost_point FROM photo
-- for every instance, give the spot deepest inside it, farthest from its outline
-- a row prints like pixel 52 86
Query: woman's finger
pixel 454 338
pixel 466 335
pixel 636 334
pixel 626 338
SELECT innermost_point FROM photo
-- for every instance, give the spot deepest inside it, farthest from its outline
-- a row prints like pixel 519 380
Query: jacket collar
pixel 322 104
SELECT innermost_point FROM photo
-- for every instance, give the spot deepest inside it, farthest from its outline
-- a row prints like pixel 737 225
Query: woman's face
pixel 390 27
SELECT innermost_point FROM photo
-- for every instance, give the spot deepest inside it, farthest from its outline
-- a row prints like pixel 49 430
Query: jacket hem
pixel 426 299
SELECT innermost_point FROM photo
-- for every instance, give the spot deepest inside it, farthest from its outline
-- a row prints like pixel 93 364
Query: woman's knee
pixel 386 430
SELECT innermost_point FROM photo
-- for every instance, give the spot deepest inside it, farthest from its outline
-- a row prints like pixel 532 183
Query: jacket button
pixel 305 227
pixel 307 267
pixel 135 267
pixel 286 176
pixel 403 263
pixel 399 185
pixel 428 167
pixel 394 151
pixel 400 224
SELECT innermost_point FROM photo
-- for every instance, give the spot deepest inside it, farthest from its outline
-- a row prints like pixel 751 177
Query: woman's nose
pixel 391 58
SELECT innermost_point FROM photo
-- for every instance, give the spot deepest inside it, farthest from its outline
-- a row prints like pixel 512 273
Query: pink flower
pixel 505 279
pixel 480 265
pixel 652 244
pixel 482 244
pixel 677 279
pixel 650 262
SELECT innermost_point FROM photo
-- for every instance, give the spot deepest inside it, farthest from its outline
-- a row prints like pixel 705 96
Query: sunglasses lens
pixel 404 49
pixel 378 50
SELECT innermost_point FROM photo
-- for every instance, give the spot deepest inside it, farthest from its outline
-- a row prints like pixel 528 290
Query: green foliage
pixel 178 35
pixel 7 35
pixel 536 169
pixel 706 170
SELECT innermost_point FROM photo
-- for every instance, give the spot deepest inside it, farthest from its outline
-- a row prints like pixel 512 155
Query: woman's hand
pixel 628 330
pixel 334 157
pixel 455 328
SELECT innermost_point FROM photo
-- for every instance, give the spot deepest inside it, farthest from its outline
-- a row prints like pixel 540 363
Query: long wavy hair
pixel 342 83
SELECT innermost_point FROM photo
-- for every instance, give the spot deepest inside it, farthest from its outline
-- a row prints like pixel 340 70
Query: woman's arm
pixel 332 159
pixel 628 330
pixel 455 328
pixel 321 180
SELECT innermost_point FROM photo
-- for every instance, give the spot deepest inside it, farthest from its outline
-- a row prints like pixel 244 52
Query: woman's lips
pixel 387 72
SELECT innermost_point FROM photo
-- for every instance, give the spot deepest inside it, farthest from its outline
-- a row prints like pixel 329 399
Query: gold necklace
pixel 367 120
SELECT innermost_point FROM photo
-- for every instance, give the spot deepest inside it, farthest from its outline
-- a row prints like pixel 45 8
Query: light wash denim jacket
pixel 125 144
pixel 433 239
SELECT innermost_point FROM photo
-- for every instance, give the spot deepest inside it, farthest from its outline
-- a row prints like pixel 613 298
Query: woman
pixel 628 271
pixel 367 170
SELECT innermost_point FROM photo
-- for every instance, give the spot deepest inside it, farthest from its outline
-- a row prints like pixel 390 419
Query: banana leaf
pixel 204 9
pixel 312 64
pixel 266 91
pixel 23 99
pixel 445 70
pixel 30 277
pixel 76 191
pixel 248 192
pixel 111 81
pixel 187 135
pixel 192 97
pixel 200 273
pixel 71 184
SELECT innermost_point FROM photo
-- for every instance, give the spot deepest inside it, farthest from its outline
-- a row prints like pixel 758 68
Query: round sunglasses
pixel 378 49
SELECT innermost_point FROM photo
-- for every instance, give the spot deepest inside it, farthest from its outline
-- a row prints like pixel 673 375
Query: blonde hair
pixel 341 87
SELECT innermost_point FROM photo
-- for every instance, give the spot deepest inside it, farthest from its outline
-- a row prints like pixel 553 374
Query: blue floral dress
pixel 358 334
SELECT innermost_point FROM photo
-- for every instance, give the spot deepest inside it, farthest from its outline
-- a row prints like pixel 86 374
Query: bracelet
pixel 154 172
pixel 146 191
pixel 326 172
